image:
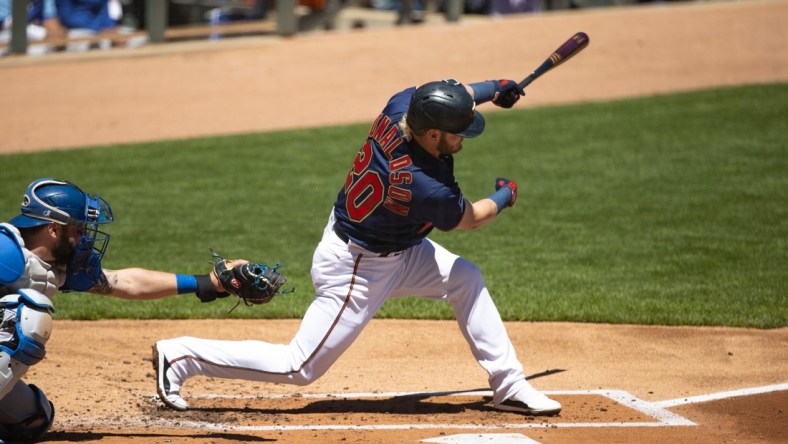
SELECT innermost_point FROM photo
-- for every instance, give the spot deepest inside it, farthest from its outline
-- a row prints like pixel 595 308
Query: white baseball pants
pixel 351 284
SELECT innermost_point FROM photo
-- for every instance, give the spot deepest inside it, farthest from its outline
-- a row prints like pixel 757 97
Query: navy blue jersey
pixel 396 192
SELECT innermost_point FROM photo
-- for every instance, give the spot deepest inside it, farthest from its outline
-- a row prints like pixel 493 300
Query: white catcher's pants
pixel 351 284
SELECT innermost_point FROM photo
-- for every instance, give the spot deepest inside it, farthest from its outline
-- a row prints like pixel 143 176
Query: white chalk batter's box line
pixel 656 410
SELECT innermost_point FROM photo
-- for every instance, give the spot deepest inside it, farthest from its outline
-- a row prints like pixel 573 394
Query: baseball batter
pixel 400 187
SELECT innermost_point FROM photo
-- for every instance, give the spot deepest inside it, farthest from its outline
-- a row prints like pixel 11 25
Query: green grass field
pixel 665 210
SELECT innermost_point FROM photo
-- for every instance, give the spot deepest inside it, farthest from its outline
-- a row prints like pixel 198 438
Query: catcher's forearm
pixel 136 284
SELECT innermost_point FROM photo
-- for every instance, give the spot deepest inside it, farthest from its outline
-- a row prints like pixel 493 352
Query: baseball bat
pixel 575 44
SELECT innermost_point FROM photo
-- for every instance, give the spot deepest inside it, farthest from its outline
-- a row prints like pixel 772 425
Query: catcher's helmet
pixel 445 105
pixel 48 200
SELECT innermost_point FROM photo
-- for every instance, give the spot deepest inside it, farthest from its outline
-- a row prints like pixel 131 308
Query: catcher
pixel 57 244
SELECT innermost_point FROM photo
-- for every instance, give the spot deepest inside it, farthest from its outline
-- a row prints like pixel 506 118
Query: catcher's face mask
pixel 93 243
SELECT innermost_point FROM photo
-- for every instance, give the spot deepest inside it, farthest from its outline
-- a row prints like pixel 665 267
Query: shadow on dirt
pixel 92 436
pixel 283 411
pixel 398 405
pixel 544 373
pixel 452 402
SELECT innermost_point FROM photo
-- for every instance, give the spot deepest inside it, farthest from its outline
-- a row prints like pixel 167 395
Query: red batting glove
pixel 512 185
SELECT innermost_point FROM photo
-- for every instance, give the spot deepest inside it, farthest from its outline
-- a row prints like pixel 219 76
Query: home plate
pixel 473 438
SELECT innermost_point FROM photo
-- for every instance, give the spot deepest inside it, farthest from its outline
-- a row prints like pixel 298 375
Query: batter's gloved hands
pixel 252 283
pixel 507 93
pixel 501 183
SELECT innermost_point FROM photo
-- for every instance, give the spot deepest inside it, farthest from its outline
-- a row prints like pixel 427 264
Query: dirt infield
pixel 616 383
pixel 405 381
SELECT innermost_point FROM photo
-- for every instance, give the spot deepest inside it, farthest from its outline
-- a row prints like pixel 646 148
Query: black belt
pixel 343 237
pixel 341 234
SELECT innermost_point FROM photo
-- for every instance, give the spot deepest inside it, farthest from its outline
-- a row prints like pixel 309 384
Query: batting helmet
pixel 445 105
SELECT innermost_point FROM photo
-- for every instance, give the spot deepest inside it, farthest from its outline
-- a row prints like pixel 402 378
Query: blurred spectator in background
pixel 44 13
pixel 245 10
pixel 408 11
pixel 184 13
pixel 43 22
pixel 501 7
pixel 88 18
pixel 95 15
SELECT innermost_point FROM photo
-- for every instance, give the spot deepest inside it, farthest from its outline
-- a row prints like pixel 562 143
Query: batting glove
pixel 505 193
pixel 507 93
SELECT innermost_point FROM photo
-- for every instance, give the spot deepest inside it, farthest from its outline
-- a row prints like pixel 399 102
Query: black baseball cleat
pixel 171 398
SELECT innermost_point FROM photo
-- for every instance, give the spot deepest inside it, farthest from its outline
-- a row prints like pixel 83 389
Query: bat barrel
pixel 564 52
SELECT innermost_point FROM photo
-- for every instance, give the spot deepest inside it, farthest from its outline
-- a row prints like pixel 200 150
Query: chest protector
pixel 37 274
pixel 40 276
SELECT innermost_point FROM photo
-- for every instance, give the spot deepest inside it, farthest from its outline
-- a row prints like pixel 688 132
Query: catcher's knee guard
pixel 25 328
pixel 33 427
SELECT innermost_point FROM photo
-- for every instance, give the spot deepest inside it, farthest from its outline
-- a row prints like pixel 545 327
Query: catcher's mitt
pixel 252 283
